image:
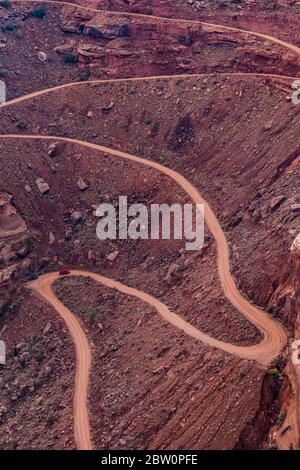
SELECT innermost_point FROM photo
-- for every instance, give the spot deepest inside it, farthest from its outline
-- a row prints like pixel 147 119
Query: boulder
pixel 276 201
pixel 268 126
pixel 54 149
pixel 65 48
pixel 76 217
pixel 108 108
pixel 173 275
pixel 112 256
pixel 51 238
pixel 82 184
pixel 42 56
pixel 42 185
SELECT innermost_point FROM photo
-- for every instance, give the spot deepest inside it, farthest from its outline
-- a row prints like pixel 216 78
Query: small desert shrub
pixel 148 121
pixel 39 12
pixel 5 3
pixel 274 372
pixel 282 416
pixel 8 27
pixel 70 58
pixel 33 276
pixel 14 307
pixel 95 33
pixel 91 314
pixel 85 74
pixel 50 420
pixel 22 125
pixel 184 41
pixel 4 73
pixel 124 31
pixel 39 357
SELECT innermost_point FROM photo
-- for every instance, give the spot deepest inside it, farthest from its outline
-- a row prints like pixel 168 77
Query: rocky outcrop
pixel 253 56
pixel 7 287
pixel 14 245
pixel 285 302
pixel 13 232
pixel 115 45
pixel 254 433
pixel 120 47
pixel 295 251
pixel 73 19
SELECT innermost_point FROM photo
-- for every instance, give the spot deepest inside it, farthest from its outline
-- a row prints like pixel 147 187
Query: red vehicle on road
pixel 64 272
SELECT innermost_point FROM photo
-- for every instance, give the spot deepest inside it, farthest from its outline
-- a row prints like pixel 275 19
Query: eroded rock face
pixel 295 249
pixel 13 232
pixel 285 302
pixel 13 247
pixel 7 287
pixel 296 272
pixel 74 18
pixel 115 45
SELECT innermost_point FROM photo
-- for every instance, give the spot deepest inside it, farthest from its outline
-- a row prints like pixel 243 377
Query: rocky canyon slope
pixel 214 105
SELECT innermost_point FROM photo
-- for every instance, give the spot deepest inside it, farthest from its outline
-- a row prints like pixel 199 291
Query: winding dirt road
pixel 83 360
pixel 65 86
pixel 274 338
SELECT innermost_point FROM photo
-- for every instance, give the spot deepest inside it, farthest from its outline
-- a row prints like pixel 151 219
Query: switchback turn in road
pixel 274 338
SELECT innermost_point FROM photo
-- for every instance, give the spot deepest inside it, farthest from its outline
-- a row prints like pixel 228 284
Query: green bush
pixel 22 125
pixel 39 12
pixel 282 416
pixel 4 73
pixel 148 121
pixel 8 27
pixel 273 371
pixel 70 58
pixel 184 41
pixel 124 31
pixel 91 314
pixel 50 419
pixel 33 276
pixel 85 74
pixel 5 3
